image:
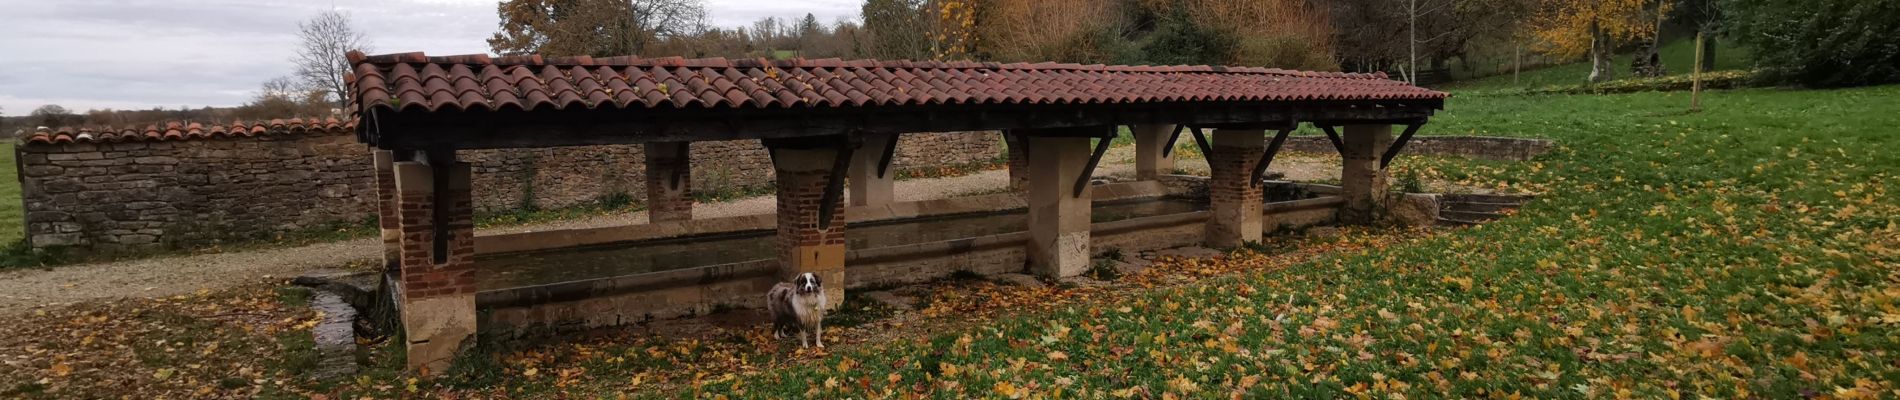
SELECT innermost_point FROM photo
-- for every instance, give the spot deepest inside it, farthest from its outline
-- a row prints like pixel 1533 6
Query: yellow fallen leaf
pixel 1007 389
pixel 1058 356
pixel 61 369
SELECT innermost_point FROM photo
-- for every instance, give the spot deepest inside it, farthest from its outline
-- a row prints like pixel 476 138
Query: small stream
pixel 502 271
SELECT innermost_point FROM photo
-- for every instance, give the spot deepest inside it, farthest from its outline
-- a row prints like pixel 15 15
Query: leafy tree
pixel 1825 43
pixel 1180 40
pixel 897 29
pixel 321 61
pixel 1574 28
pixel 591 27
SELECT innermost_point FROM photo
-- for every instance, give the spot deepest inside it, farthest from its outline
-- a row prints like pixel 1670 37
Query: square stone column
pixel 1149 142
pixel 1018 165
pixel 438 262
pixel 387 217
pixel 805 244
pixel 669 181
pixel 1058 219
pixel 868 188
pixel 1237 203
pixel 1362 180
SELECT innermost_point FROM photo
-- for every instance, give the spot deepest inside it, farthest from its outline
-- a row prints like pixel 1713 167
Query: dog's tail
pixel 778 306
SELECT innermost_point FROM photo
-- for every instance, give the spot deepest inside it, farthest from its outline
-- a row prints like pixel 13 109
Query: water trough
pixel 561 281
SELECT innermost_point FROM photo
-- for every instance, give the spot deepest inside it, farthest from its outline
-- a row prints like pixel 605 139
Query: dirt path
pixel 24 290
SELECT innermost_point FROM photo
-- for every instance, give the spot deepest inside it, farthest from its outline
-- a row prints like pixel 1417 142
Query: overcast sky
pixel 139 54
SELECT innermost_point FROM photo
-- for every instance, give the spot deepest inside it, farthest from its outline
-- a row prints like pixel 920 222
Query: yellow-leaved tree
pixel 1569 29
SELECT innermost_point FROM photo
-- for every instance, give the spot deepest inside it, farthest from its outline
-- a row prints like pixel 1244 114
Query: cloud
pixel 139 54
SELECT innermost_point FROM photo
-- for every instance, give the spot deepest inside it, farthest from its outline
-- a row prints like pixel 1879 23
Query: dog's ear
pixel 815 281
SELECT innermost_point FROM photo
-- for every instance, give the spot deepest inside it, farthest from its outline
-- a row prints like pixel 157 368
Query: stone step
pixel 1519 199
pixel 1470 215
pixel 1477 206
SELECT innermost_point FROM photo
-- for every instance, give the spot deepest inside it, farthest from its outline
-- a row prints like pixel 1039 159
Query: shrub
pixel 1824 43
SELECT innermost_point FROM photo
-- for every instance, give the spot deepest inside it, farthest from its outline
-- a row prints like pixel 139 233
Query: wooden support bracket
pixel 884 162
pixel 834 184
pixel 1273 148
pixel 1088 170
pixel 1200 139
pixel 1339 145
pixel 1168 150
pixel 1399 144
pixel 685 154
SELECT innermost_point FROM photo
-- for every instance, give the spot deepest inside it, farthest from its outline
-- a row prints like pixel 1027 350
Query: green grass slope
pixel 1678 57
pixel 11 215
pixel 1746 251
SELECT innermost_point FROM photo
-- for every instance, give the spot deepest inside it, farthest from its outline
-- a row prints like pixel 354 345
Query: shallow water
pixel 562 265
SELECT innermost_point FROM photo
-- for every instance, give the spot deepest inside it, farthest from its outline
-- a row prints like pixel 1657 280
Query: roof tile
pixel 188 130
pixel 416 82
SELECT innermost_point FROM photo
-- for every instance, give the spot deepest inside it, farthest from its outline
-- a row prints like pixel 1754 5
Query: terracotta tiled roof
pixel 191 130
pixel 414 81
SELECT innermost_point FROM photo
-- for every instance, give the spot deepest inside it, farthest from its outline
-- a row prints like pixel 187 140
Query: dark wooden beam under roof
pixel 463 130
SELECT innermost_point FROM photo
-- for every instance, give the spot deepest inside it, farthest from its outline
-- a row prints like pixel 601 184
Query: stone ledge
pixel 1479 147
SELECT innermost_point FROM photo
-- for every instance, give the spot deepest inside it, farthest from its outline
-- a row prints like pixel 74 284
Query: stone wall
pixel 141 195
pixel 1479 147
pixel 199 192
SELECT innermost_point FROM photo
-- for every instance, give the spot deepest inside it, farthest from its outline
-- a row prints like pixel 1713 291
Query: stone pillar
pixel 1018 166
pixel 804 244
pixel 1149 141
pixel 1362 181
pixel 387 207
pixel 669 181
pixel 867 187
pixel 1237 203
pixel 438 262
pixel 1058 219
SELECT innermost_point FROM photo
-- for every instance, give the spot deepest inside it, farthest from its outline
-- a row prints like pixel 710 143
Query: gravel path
pixel 24 290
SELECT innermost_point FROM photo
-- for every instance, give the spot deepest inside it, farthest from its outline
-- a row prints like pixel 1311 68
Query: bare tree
pixel 592 27
pixel 53 116
pixel 321 62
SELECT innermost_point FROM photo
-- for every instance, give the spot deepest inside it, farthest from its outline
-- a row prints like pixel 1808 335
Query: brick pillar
pixel 803 245
pixel 386 208
pixel 1362 181
pixel 669 181
pixel 1149 141
pixel 1236 202
pixel 1018 166
pixel 1058 219
pixel 867 187
pixel 438 262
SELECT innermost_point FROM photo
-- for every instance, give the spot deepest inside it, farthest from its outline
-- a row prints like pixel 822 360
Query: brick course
pixel 192 193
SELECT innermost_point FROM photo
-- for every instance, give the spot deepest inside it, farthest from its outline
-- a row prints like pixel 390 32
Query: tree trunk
pixel 1708 52
pixel 1600 66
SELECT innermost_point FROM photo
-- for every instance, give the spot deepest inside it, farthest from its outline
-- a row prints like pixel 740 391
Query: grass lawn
pixel 1678 57
pixel 1745 251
